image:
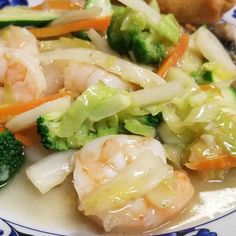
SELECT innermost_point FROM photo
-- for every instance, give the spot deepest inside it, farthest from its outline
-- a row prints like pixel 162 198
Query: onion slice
pixel 213 50
pixel 127 71
pixel 76 15
pixel 28 119
pixel 51 170
pixel 159 94
pixel 100 42
pixel 140 6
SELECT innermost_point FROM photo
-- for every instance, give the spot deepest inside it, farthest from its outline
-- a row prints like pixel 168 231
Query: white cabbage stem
pixel 28 119
pixel 140 6
pixel 51 170
pixel 127 71
pixel 76 15
pixel 159 94
pixel 100 42
pixel 213 50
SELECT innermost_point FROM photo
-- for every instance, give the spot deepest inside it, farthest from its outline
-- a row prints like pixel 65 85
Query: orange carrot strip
pixel 51 31
pixel 20 137
pixel 58 4
pixel 221 162
pixel 24 139
pixel 14 109
pixel 174 57
pixel 210 87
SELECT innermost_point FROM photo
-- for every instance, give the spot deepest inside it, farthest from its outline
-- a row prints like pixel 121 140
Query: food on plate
pixel 148 200
pixel 196 11
pixel 10 162
pixel 121 98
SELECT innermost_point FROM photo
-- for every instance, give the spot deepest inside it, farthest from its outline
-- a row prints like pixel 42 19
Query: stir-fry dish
pixel 130 97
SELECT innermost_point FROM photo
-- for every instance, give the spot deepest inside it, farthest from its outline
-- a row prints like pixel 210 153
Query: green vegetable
pixel 104 4
pixel 203 77
pixel 99 111
pixel 48 124
pixel 72 129
pixel 224 129
pixel 132 34
pixel 143 125
pixel 11 156
pixel 146 50
pixel 81 35
pixel 24 16
pixel 205 147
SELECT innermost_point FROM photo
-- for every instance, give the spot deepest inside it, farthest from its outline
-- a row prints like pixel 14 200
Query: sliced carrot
pixel 209 88
pixel 59 4
pixel 26 141
pixel 17 108
pixel 174 57
pixel 101 23
pixel 221 162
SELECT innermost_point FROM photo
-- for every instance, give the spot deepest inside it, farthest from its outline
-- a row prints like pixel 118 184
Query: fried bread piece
pixel 196 11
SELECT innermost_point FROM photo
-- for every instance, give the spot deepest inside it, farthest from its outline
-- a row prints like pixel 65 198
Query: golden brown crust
pixel 196 11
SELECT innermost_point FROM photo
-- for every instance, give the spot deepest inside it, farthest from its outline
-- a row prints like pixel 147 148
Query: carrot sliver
pixel 101 23
pixel 17 108
pixel 174 57
pixel 24 139
pixel 210 87
pixel 221 162
pixel 58 4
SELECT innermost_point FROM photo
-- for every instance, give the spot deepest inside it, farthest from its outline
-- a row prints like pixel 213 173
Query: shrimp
pixel 20 76
pixel 111 191
pixel 77 77
pixel 19 38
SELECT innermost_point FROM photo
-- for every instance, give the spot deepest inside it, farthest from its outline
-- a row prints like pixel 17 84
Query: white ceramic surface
pixel 26 211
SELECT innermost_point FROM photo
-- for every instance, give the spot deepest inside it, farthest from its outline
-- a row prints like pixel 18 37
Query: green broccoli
pixel 48 125
pixel 11 156
pixel 93 115
pixel 130 33
pixel 146 50
pixel 151 120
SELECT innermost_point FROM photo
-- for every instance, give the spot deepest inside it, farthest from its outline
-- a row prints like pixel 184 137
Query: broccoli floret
pixel 151 120
pixel 131 34
pixel 11 156
pixel 46 128
pixel 115 39
pixel 203 77
pixel 146 50
pixel 48 125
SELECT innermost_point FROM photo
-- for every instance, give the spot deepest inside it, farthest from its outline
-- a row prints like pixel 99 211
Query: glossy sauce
pixel 57 211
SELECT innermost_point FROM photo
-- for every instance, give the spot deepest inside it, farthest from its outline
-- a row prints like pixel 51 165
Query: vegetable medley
pixel 124 97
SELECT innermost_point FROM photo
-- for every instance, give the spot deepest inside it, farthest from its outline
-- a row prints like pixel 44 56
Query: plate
pixel 23 211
